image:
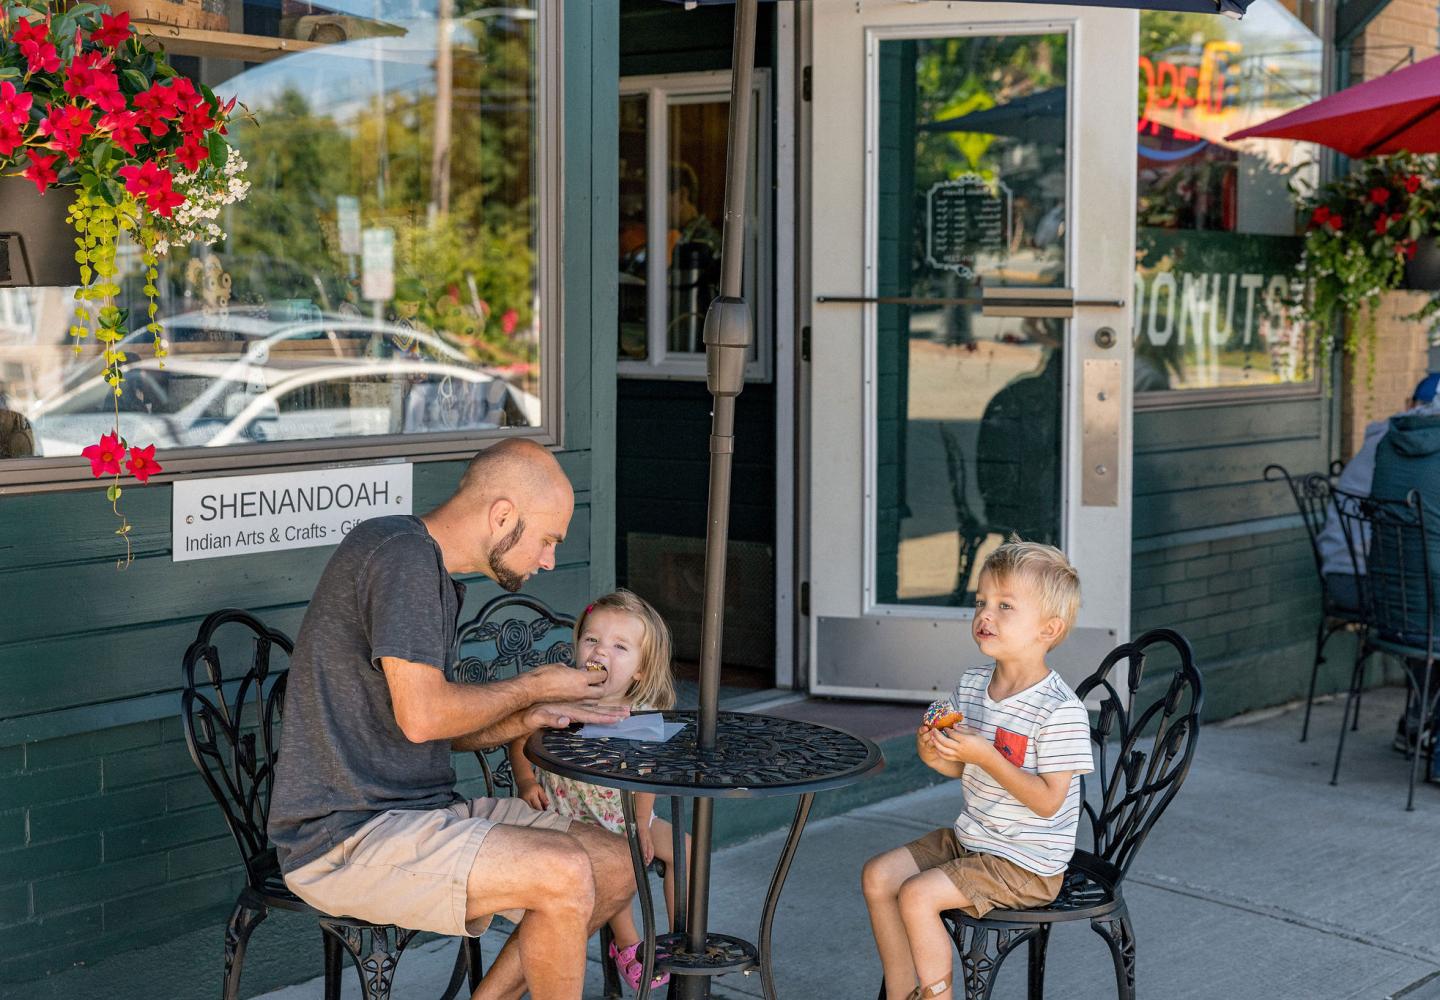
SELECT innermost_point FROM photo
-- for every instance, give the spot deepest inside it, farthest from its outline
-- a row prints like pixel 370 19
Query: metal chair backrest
pixel 1312 498
pixel 231 730
pixel 1397 590
pixel 1155 747
pixel 513 633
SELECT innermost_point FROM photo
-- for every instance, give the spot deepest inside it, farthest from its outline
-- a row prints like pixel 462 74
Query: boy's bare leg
pixel 607 889
pixel 922 899
pixel 881 880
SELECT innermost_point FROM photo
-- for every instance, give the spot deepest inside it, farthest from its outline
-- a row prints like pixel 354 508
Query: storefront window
pixel 1217 242
pixel 381 278
pixel 672 194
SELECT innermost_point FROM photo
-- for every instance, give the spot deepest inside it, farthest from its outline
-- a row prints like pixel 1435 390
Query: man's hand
pixel 960 745
pixel 533 795
pixel 558 716
pixel 557 682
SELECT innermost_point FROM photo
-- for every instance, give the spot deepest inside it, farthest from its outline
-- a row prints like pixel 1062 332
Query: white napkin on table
pixel 649 727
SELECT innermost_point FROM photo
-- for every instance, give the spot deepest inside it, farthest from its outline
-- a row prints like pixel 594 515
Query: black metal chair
pixel 230 730
pixel 1312 493
pixel 516 642
pixel 1134 790
pixel 1397 595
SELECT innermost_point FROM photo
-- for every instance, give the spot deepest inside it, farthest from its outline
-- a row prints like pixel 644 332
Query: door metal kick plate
pixel 1100 433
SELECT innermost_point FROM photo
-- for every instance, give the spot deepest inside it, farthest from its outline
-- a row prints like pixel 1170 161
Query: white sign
pixel 347 213
pixel 966 217
pixel 238 515
pixel 377 265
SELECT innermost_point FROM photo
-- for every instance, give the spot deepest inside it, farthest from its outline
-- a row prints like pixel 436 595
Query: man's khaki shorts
pixel 410 867
pixel 987 881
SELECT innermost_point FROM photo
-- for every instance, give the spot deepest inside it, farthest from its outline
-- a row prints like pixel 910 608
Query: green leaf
pixel 100 157
pixel 163 68
pixel 219 149
pixel 9 72
pixel 138 80
pixel 111 190
pixel 113 493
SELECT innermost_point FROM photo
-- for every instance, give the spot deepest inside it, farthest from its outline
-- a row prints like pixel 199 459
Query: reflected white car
pixel 213 402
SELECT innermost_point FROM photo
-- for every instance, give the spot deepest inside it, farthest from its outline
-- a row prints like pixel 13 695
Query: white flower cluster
pixel 206 193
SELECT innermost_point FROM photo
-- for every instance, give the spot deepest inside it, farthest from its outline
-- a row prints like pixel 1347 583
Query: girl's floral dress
pixel 584 801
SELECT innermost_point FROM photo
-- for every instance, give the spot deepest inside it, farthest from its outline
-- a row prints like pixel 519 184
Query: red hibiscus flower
pixel 14 105
pixel 92 77
pixel 192 153
pixel 1409 248
pixel 1336 223
pixel 40 170
pixel 1379 195
pixel 156 106
pixel 1412 183
pixel 1320 217
pixel 105 456
pixel 113 30
pixel 508 319
pixel 10 138
pixel 1382 224
pixel 154 184
pixel 36 47
pixel 68 126
pixel 183 94
pixel 122 126
pixel 142 462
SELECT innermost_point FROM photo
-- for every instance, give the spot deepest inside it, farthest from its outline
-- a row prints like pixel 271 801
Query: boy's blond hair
pixel 654 686
pixel 1056 583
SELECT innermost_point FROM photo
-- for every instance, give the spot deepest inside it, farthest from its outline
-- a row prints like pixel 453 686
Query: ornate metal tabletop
pixel 754 756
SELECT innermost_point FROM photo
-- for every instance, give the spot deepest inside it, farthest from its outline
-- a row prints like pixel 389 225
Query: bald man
pixel 364 814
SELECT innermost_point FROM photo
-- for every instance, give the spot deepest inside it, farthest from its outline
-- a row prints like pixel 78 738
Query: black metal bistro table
pixel 755 756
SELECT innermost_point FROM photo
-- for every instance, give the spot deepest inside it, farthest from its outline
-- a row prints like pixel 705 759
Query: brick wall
pixel 1405 31
pixel 1400 361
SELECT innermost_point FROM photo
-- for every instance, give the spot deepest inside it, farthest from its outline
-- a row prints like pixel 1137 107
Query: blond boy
pixel 1019 754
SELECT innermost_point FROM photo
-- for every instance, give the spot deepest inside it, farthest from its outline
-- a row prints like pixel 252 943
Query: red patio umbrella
pixel 1399 112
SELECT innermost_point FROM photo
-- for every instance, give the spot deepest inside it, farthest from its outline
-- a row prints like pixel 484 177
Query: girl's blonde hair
pixel 654 683
pixel 1057 585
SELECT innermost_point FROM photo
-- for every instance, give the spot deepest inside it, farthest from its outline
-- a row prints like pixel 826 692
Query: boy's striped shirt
pixel 1041 729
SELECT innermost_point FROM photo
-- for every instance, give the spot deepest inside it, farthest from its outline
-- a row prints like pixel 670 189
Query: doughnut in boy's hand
pixel 942 715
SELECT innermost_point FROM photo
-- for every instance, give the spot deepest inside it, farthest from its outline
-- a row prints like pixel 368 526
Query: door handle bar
pixel 983 301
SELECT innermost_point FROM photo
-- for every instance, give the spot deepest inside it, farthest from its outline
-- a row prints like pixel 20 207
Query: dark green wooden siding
pixel 1220 554
pixel 108 840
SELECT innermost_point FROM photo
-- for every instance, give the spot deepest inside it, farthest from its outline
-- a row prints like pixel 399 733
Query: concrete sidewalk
pixel 1261 882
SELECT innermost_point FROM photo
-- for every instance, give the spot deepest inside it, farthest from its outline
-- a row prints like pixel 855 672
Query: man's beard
pixel 506 577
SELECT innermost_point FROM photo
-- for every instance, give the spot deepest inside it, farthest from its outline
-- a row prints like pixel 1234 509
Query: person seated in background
pixel 1335 557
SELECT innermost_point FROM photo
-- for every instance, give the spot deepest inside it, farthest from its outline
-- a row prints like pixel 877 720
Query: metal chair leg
pixel 332 966
pixel 1420 722
pixel 1320 638
pixel 981 957
pixel 1038 945
pixel 477 962
pixel 1357 679
pixel 612 976
pixel 375 951
pixel 463 957
pixel 246 916
pixel 1120 936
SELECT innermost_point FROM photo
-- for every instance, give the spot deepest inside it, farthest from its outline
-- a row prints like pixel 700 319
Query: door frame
pixel 1098 542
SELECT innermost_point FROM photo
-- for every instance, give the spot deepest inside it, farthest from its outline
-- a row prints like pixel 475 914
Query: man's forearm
pixel 512 727
pixel 460 710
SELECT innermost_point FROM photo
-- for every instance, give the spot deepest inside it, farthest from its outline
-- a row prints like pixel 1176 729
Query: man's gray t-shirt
pixel 343 758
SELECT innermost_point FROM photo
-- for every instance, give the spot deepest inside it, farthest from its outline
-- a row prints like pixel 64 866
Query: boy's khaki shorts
pixel 410 867
pixel 987 881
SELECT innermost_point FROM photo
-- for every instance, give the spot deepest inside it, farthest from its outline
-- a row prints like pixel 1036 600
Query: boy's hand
pixel 533 795
pixel 960 745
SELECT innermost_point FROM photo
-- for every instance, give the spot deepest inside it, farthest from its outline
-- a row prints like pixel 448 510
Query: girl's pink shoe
pixel 631 968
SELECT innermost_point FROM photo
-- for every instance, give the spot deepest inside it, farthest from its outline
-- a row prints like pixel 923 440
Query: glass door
pixel 969 381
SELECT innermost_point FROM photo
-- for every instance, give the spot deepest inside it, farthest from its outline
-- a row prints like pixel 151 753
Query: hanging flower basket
pixel 117 144
pixel 36 244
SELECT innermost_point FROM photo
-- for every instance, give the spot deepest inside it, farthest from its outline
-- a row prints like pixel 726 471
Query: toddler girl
pixel 625 636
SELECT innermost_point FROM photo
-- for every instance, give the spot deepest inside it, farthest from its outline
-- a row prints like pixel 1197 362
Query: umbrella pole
pixel 727 346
